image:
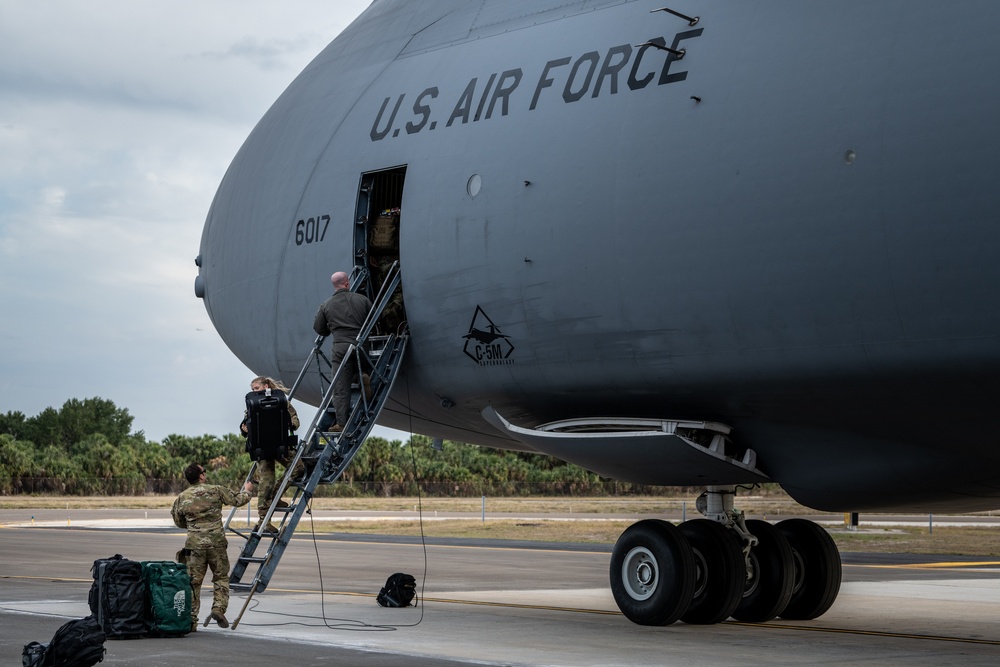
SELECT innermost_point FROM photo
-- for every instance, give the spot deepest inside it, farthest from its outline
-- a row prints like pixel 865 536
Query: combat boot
pixel 269 529
pixel 218 617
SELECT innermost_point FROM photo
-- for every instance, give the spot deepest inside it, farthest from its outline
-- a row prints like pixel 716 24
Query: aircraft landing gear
pixel 818 569
pixel 769 575
pixel 707 570
pixel 720 571
pixel 652 573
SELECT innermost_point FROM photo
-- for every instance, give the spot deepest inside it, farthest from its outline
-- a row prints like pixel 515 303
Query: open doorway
pixel 376 238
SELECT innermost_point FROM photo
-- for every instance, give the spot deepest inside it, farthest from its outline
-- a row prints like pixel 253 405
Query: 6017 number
pixel 312 230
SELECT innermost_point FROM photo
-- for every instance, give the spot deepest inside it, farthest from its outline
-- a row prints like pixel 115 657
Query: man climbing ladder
pixel 342 316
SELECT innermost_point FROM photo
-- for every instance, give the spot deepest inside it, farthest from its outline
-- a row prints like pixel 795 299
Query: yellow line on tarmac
pixel 931 566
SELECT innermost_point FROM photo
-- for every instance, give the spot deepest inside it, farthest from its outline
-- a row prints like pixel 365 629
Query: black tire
pixel 652 573
pixel 770 576
pixel 818 570
pixel 720 571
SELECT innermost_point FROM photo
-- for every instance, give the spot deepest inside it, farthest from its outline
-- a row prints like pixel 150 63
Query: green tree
pixel 202 448
pixel 79 419
pixel 17 461
pixel 44 429
pixel 152 459
pixel 56 469
pixel 14 424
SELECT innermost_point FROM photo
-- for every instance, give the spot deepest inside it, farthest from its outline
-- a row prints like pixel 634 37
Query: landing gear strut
pixel 707 570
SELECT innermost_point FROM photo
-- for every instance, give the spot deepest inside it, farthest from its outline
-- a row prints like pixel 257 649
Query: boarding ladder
pixel 325 454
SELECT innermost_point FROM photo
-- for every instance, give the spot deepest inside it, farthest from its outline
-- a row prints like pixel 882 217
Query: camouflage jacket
pixel 199 509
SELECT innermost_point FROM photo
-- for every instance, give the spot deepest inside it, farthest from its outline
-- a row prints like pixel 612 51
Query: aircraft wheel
pixel 817 569
pixel 770 575
pixel 720 571
pixel 652 573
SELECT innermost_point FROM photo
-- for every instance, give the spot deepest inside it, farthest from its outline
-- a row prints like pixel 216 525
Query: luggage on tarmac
pixel 33 654
pixel 270 435
pixel 168 598
pixel 78 643
pixel 117 597
pixel 399 590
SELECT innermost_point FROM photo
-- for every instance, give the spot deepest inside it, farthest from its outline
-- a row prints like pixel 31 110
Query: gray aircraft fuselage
pixel 792 229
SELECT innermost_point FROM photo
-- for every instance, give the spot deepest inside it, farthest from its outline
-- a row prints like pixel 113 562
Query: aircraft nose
pixel 199 280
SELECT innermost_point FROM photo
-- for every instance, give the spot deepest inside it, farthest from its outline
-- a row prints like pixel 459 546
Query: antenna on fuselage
pixel 689 19
pixel 677 54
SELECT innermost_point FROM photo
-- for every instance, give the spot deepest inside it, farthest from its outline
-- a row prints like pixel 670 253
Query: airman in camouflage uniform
pixel 199 509
pixel 383 251
pixel 265 467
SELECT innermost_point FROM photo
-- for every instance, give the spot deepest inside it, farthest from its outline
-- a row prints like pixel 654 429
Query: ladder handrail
pixel 316 350
pixel 389 284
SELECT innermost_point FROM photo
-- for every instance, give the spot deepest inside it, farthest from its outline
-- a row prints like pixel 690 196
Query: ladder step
pixel 239 586
pixel 251 559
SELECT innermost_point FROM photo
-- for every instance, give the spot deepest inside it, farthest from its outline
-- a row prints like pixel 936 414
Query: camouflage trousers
pixel 198 562
pixel 266 484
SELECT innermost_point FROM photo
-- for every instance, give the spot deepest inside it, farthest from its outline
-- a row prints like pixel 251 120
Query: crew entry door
pixel 376 238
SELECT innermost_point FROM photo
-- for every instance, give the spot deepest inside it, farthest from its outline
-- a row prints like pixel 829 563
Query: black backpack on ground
pixel 399 591
pixel 78 643
pixel 118 598
pixel 33 654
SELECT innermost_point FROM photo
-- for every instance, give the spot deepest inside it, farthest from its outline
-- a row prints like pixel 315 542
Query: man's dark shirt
pixel 342 315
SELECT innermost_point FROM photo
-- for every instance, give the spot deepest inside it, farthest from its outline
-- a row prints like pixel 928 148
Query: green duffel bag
pixel 168 598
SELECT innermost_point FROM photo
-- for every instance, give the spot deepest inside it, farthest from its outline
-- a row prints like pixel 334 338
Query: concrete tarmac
pixel 495 603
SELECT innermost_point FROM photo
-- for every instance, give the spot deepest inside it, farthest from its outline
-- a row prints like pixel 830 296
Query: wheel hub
pixel 640 573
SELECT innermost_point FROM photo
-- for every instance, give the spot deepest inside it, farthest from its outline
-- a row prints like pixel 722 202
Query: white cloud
pixel 118 120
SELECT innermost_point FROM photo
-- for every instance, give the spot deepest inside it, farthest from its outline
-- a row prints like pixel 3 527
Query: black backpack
pixel 399 591
pixel 270 433
pixel 78 643
pixel 33 654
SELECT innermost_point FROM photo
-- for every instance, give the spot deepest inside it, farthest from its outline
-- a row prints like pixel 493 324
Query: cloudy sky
pixel 118 120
